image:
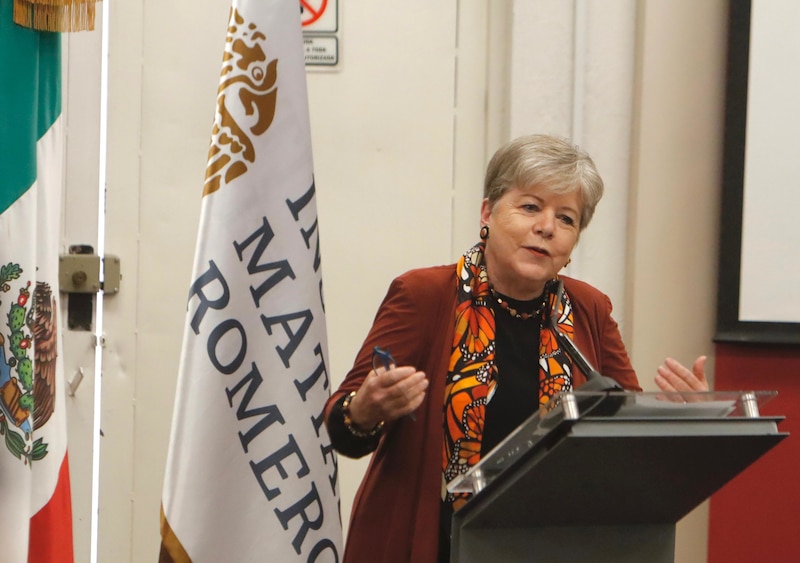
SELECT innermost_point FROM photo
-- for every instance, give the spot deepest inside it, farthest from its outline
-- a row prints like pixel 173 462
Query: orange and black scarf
pixel 471 377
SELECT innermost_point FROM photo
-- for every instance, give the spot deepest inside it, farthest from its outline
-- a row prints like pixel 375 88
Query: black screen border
pixel 730 328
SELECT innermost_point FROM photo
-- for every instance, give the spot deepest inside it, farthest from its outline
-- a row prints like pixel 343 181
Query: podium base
pixel 566 544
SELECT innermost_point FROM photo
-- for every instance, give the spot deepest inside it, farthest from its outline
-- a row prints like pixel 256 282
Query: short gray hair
pixel 544 160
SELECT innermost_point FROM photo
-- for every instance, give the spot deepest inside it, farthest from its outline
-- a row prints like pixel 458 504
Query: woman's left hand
pixel 674 377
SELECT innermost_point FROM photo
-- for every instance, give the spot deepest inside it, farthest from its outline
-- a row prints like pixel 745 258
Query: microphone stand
pixel 595 381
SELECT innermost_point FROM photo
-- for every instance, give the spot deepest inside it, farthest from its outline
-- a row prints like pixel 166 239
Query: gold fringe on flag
pixel 55 15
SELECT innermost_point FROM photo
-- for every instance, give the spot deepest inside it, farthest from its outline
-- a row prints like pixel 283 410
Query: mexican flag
pixel 36 520
pixel 251 474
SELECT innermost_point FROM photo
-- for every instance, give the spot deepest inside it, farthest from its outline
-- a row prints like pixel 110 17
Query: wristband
pixel 350 425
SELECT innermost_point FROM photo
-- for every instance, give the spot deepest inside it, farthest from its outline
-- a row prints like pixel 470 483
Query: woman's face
pixel 532 232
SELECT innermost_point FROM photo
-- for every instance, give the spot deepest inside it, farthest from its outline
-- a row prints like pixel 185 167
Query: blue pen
pixel 388 361
pixel 384 356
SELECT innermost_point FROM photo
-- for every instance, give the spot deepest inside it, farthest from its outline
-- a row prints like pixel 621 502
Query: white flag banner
pixel 251 474
pixel 36 520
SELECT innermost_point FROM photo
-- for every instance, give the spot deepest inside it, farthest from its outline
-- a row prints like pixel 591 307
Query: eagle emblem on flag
pixel 246 100
pixel 27 364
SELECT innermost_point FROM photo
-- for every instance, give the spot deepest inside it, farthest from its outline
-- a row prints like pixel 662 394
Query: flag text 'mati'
pixel 212 292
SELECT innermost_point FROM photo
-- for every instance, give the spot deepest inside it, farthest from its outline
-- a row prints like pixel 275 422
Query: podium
pixel 605 477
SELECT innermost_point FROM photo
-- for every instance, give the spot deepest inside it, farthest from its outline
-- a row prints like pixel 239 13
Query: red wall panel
pixel 756 516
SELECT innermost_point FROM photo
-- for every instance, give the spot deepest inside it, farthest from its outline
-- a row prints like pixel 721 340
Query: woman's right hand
pixel 387 395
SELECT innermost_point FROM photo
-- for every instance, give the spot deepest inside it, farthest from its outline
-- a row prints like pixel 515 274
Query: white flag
pixel 36 520
pixel 251 474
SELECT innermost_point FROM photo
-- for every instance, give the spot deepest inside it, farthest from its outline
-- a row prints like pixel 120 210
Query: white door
pixel 399 134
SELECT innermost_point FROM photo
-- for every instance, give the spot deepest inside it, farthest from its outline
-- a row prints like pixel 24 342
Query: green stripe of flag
pixel 30 98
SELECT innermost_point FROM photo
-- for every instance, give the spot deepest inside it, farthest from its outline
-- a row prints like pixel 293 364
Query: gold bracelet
pixel 348 422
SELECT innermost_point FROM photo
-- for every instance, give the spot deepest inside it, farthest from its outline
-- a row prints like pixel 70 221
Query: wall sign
pixel 320 20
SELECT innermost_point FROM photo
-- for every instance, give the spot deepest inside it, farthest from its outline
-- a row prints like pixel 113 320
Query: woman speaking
pixel 472 353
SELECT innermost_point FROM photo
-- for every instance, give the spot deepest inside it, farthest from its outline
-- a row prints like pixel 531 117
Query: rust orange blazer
pixel 395 517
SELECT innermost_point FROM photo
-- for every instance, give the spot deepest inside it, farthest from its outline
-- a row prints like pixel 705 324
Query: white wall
pixel 675 194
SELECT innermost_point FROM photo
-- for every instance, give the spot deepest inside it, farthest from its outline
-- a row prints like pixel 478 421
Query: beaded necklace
pixel 512 311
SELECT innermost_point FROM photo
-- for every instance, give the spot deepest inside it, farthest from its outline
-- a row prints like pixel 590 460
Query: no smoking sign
pixel 319 15
pixel 320 20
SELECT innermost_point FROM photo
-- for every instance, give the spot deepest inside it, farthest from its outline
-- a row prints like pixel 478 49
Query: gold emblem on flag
pixel 247 88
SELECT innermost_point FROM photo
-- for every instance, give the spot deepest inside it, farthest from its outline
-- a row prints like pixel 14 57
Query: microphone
pixel 595 381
